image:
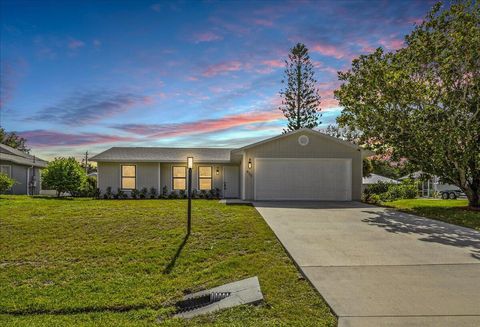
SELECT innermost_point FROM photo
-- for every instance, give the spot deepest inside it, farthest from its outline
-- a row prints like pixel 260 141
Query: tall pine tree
pixel 300 97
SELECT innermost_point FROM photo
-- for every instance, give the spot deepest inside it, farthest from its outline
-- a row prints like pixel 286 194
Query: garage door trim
pixel 349 171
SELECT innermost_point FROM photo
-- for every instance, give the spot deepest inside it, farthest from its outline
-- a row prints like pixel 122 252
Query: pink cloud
pixel 263 22
pixel 274 63
pixel 221 68
pixel 75 44
pixel 392 43
pixel 330 50
pixel 201 126
pixel 45 138
pixel 207 37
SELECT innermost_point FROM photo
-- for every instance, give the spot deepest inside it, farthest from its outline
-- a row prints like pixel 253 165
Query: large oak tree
pixel 423 101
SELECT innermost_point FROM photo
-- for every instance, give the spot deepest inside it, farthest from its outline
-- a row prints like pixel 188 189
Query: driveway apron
pixel 380 267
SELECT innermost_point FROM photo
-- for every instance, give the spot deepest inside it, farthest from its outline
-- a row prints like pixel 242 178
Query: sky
pixel 82 76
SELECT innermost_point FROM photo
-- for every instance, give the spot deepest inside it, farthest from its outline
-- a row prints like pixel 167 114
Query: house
pixel 23 168
pixel 374 179
pixel 300 165
pixel 430 185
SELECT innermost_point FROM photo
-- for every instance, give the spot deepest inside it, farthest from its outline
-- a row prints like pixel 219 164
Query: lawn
pixel 450 211
pixel 123 263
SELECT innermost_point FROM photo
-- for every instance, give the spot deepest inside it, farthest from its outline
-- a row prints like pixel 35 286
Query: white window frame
pixel 121 177
pixel 199 178
pixel 173 178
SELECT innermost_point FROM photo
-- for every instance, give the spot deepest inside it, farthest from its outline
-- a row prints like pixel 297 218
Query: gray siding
pixel 20 174
pixel 152 174
pixel 318 147
pixel 109 175
pixel 166 175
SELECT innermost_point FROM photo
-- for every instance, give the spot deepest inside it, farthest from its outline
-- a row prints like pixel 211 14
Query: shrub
pixel 194 194
pixel 5 183
pixel 144 193
pixel 87 189
pixel 173 195
pixel 96 193
pixel 64 175
pixel 203 194
pixel 135 194
pixel 153 193
pixel 121 194
pixel 164 194
pixel 182 194
pixel 382 192
pixel 108 193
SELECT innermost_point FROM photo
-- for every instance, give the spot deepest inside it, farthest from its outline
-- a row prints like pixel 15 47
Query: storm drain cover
pixel 246 291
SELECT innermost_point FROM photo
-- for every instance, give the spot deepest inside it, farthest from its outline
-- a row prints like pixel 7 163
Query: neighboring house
pixel 374 179
pixel 429 185
pixel 300 165
pixel 23 168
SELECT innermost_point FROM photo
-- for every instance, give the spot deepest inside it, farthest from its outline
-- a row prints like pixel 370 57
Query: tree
pixel 5 183
pixel 13 140
pixel 345 133
pixel 352 136
pixel 422 102
pixel 64 175
pixel 300 98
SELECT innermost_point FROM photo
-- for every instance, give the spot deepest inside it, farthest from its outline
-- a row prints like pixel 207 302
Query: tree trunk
pixel 299 85
pixel 472 195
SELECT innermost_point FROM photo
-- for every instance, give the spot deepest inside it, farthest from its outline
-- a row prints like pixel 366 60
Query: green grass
pixel 112 263
pixel 450 211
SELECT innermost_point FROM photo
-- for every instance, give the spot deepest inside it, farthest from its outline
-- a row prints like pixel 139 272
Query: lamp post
pixel 189 193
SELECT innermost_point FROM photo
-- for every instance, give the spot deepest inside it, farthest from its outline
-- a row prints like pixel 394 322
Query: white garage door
pixel 303 179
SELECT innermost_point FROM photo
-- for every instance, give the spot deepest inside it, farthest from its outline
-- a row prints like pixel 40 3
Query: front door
pixel 231 182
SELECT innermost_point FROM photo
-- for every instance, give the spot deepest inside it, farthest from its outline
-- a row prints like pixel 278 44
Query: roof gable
pixel 302 130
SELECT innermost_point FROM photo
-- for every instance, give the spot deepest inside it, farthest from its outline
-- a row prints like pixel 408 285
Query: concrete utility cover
pixel 246 291
pixel 379 267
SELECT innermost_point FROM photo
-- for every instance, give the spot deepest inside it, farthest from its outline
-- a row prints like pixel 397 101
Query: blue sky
pixel 89 75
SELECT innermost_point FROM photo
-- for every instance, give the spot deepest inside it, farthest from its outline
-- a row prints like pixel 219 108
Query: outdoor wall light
pixel 217 171
pixel 249 163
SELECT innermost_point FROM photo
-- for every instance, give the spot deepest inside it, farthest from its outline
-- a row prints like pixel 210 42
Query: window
pixel 205 178
pixel 6 169
pixel 179 178
pixel 129 177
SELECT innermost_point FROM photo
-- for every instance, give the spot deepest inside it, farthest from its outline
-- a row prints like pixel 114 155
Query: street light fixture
pixel 189 192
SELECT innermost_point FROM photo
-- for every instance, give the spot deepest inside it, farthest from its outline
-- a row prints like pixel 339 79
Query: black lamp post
pixel 189 193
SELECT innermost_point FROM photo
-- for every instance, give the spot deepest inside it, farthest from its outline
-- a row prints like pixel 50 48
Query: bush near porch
pixel 382 192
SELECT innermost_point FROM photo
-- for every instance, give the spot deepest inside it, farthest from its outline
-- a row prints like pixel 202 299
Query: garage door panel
pixel 303 179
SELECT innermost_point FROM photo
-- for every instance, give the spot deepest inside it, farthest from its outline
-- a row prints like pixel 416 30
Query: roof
pixel 374 178
pixel 220 155
pixel 160 154
pixel 301 130
pixel 8 153
pixel 415 175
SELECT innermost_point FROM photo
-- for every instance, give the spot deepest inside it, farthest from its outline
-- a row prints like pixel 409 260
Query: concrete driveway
pixel 379 267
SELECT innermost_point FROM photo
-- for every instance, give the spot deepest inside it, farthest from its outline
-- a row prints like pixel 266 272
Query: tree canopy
pixel 422 101
pixel 300 97
pixel 13 140
pixel 64 175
